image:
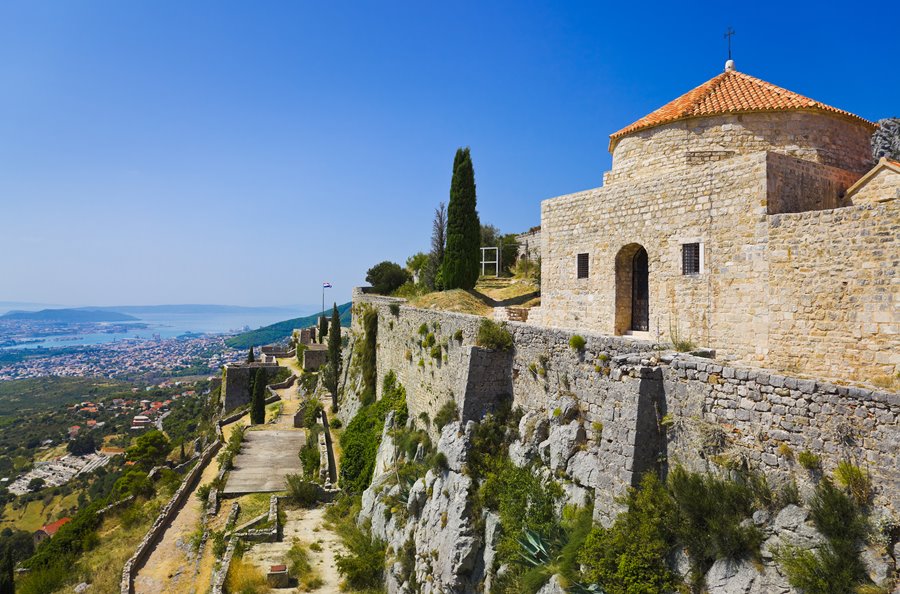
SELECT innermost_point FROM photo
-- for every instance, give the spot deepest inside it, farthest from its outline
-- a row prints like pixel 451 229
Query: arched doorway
pixel 632 289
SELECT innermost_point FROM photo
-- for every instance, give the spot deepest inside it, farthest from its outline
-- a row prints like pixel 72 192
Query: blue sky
pixel 243 152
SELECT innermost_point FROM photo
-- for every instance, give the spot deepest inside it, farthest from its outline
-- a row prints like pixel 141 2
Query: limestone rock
pixel 563 410
pixel 564 441
pixel 445 535
pixel 584 468
pixel 879 565
pixel 731 577
pixel 417 496
pixel 454 443
pixel 552 586
pixel 387 453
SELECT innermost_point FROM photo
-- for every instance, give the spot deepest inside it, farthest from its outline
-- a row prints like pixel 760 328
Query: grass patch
pixel 245 578
pixel 456 300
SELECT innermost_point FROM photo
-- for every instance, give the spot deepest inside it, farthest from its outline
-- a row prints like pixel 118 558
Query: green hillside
pixel 281 330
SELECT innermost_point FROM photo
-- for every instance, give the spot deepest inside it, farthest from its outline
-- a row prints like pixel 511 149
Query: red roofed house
pixel 45 532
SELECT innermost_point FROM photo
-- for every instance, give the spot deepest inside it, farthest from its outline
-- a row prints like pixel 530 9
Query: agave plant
pixel 534 550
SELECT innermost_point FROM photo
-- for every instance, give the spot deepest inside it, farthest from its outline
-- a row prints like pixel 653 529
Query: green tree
pixel 250 357
pixel 258 397
pixel 7 582
pixel 462 256
pixel 81 445
pixel 149 449
pixel 416 265
pixel 323 327
pixel 332 373
pixel 386 277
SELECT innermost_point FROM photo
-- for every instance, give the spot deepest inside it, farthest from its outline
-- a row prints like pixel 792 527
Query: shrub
pixel 458 336
pixel 360 439
pixel 335 423
pixel 368 355
pixel 435 352
pixel 386 277
pixel 429 340
pixel 395 309
pixel 310 458
pixel 855 480
pixel 577 342
pixel 202 493
pixel 447 414
pixel 440 462
pixel 785 451
pixel 302 492
pixel 629 557
pixel 835 566
pixel 492 335
pixel 809 461
pixel 709 515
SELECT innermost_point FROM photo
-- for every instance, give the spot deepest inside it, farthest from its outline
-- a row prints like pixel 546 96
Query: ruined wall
pixel 236 382
pixel 828 139
pixel 833 291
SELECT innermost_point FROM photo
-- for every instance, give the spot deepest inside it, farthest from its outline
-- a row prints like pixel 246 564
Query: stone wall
pixel 758 269
pixel 822 138
pixel 796 185
pixel 530 244
pixel 834 291
pixel 600 416
pixel 883 185
pixel 171 509
pixel 236 382
pixel 724 415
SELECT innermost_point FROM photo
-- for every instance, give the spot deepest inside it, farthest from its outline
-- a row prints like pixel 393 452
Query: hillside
pixel 281 330
pixel 69 315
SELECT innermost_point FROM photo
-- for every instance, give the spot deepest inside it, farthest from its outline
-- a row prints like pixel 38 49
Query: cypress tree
pixel 7 581
pixel 323 327
pixel 462 256
pixel 258 398
pixel 333 375
pixel 250 357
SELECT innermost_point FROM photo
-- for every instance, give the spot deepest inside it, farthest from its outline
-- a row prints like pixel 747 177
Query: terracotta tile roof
pixel 53 528
pixel 730 92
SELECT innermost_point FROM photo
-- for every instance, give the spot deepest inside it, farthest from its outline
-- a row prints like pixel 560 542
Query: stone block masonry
pixel 635 406
pixel 236 382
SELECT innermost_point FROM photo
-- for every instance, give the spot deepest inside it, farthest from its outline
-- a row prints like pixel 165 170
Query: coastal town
pixel 132 359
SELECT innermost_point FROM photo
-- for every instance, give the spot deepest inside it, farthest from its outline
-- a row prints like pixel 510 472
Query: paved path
pixel 267 456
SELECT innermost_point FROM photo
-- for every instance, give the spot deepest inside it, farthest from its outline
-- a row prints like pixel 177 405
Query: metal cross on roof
pixel 728 34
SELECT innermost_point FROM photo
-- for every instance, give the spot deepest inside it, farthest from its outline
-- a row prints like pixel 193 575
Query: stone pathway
pixel 267 456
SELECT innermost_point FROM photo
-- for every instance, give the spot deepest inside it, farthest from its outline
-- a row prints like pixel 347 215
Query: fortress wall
pixel 725 415
pixel 834 291
pixel 822 138
pixel 884 185
pixel 796 185
pixel 637 404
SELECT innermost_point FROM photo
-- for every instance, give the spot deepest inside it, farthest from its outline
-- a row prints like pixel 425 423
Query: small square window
pixel 582 265
pixel 690 258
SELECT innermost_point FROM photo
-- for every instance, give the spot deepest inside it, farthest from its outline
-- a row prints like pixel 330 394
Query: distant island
pixel 281 330
pixel 69 315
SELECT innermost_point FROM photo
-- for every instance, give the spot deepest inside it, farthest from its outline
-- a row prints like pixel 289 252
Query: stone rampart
pixel 619 406
pixel 797 185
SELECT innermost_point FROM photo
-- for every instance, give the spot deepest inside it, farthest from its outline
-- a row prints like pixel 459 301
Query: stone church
pixel 742 217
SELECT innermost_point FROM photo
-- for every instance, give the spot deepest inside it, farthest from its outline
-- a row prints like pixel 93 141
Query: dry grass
pixel 245 578
pixel 253 505
pixel 887 382
pixel 500 289
pixel 456 300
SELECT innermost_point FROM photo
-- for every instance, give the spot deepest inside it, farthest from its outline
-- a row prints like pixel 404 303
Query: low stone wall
pixel 134 564
pixel 732 415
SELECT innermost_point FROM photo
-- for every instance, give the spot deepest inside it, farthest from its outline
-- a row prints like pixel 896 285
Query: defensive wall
pixel 637 407
pixel 236 382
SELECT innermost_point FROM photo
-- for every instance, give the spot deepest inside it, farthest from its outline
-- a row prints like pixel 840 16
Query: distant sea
pixel 171 324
